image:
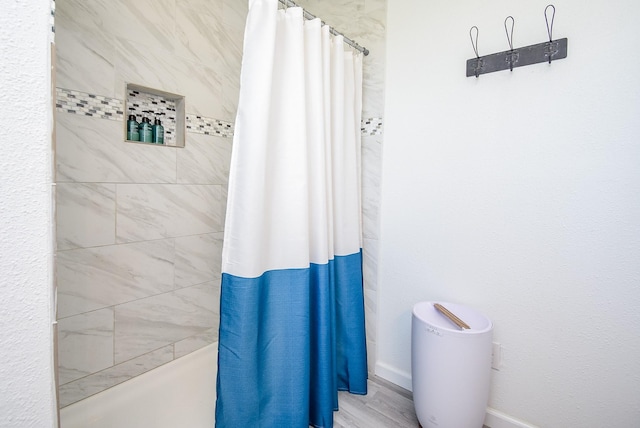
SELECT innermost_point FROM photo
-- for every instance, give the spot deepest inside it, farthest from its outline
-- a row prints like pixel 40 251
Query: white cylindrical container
pixel 450 367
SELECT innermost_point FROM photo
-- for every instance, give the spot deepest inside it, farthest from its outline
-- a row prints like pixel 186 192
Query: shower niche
pixel 151 104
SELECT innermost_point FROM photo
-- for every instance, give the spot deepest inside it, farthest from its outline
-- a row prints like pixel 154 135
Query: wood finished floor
pixel 385 406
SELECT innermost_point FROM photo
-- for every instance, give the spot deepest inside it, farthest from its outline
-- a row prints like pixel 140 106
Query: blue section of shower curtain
pixel 289 340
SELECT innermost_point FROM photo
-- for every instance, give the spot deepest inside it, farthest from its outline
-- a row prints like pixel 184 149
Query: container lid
pixel 428 314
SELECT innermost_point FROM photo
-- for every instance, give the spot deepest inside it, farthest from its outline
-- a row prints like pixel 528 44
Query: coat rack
pixel 512 58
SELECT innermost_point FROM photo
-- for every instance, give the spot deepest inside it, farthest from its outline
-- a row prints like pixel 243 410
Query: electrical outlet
pixel 496 356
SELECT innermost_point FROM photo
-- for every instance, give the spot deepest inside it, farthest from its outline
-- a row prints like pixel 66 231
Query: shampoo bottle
pixel 132 129
pixel 146 133
pixel 158 132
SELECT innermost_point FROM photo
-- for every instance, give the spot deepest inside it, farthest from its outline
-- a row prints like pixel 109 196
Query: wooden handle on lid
pixel 454 319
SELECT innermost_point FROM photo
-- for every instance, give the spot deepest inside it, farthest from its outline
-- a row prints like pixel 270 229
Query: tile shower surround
pixel 139 237
pixel 137 283
pixel 101 180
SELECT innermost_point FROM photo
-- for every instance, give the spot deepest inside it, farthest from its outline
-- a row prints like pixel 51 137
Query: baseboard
pixel 393 375
pixel 496 419
pixel 493 418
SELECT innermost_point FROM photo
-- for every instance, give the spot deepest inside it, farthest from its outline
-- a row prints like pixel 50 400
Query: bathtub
pixel 181 393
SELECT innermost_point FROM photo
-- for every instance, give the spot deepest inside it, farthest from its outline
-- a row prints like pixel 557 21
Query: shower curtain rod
pixel 307 15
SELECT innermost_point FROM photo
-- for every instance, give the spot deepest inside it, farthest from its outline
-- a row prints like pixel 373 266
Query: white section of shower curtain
pixel 294 185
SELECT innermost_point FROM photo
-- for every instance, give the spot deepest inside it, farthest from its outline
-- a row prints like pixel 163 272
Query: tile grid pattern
pixel 372 126
pixel 139 239
pixel 139 230
pixel 207 126
pixel 76 102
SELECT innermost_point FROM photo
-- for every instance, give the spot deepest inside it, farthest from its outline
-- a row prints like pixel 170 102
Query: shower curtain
pixel 292 310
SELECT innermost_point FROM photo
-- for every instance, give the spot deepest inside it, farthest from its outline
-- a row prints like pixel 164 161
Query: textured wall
pixel 139 227
pixel 26 391
pixel 519 195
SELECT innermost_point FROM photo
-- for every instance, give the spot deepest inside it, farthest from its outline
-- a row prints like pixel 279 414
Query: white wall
pixel 26 388
pixel 518 194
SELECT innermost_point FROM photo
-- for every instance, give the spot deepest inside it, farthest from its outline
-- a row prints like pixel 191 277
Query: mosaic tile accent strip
pixel 143 104
pixel 371 126
pixel 53 15
pixel 76 102
pixel 208 126
pixel 69 101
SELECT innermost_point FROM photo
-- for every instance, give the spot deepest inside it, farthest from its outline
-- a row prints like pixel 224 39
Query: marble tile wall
pixel 140 227
pixel 138 258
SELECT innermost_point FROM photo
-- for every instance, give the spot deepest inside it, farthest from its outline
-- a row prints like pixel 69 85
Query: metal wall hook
pixel 520 57
pixel 511 56
pixel 550 27
pixel 477 67
pixel 509 36
pixel 474 44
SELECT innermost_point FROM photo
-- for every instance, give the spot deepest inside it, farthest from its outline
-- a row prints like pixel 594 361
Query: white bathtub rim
pixel 180 392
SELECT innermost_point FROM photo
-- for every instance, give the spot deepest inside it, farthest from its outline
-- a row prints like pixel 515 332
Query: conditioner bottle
pixel 146 133
pixel 158 132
